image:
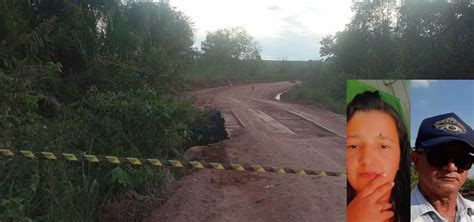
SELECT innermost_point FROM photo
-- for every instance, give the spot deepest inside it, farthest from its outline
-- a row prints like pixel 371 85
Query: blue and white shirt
pixel 422 210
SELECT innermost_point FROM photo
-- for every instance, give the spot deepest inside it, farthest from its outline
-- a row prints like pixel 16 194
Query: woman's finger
pixel 386 206
pixel 381 206
pixel 386 215
pixel 373 185
pixel 380 191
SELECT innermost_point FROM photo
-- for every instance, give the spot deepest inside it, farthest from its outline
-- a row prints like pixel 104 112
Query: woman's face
pixel 372 148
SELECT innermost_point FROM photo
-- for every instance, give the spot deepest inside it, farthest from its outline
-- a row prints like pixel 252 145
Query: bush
pixel 324 89
pixel 135 122
pixel 139 123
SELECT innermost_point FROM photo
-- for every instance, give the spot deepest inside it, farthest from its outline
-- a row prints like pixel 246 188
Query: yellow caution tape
pixel 70 156
pixel 237 167
pixel 322 173
pixel 92 158
pixel 217 166
pixel 113 159
pixel 279 170
pixel 28 154
pixel 161 163
pixel 134 161
pixel 258 168
pixel 176 163
pixel 48 155
pixel 155 162
pixel 7 152
pixel 196 165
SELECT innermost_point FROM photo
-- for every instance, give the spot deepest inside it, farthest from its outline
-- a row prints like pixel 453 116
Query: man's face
pixel 441 180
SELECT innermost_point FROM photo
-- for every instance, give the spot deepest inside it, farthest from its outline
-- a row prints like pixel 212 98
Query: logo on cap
pixel 450 125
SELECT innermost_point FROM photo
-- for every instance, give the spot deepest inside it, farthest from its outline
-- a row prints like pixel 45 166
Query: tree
pixel 88 76
pixel 366 47
pixel 417 40
pixel 328 45
pixel 230 44
pixel 468 185
pixel 436 40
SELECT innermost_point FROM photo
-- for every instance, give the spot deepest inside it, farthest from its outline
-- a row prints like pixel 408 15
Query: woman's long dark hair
pixel 400 195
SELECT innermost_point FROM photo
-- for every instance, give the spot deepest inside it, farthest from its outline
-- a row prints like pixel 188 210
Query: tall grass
pixel 201 75
pixel 326 88
pixel 136 123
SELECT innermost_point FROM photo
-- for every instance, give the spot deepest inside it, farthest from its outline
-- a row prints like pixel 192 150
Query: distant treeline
pixel 418 40
pixel 231 54
pixel 201 75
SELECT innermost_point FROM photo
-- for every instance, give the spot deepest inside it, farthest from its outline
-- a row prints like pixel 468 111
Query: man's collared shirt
pixel 422 210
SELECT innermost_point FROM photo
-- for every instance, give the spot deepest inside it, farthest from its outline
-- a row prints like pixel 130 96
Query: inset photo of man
pixel 442 117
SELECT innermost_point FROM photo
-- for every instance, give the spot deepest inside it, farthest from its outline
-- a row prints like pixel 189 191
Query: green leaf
pixel 121 177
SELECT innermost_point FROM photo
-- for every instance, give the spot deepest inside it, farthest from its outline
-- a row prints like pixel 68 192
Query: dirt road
pixel 268 132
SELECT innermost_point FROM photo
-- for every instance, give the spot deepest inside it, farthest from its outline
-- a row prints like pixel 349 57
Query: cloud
pixel 293 31
pixel 421 83
pixel 293 24
pixel 274 8
pixel 291 46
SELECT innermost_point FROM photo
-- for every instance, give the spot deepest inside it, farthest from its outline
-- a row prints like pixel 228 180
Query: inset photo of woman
pixel 377 149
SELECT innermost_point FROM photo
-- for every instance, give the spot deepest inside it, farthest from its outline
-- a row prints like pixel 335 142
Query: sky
pixel 434 97
pixel 289 30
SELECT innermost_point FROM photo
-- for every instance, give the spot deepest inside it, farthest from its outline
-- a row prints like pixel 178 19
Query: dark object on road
pixel 208 129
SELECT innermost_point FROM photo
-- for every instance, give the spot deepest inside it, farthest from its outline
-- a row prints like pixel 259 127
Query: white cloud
pixel 291 46
pixel 270 19
pixel 421 83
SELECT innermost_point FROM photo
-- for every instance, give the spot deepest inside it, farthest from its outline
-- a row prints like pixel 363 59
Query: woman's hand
pixel 366 205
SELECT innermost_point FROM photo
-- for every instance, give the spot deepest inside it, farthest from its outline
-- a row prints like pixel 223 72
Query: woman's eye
pixel 383 146
pixel 352 146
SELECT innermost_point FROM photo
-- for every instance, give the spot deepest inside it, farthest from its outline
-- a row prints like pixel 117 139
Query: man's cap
pixel 441 129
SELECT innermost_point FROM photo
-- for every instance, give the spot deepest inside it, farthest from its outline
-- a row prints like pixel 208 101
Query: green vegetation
pixel 95 77
pixel 417 40
pixel 324 88
pixel 468 185
pixel 201 75
pixel 233 55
